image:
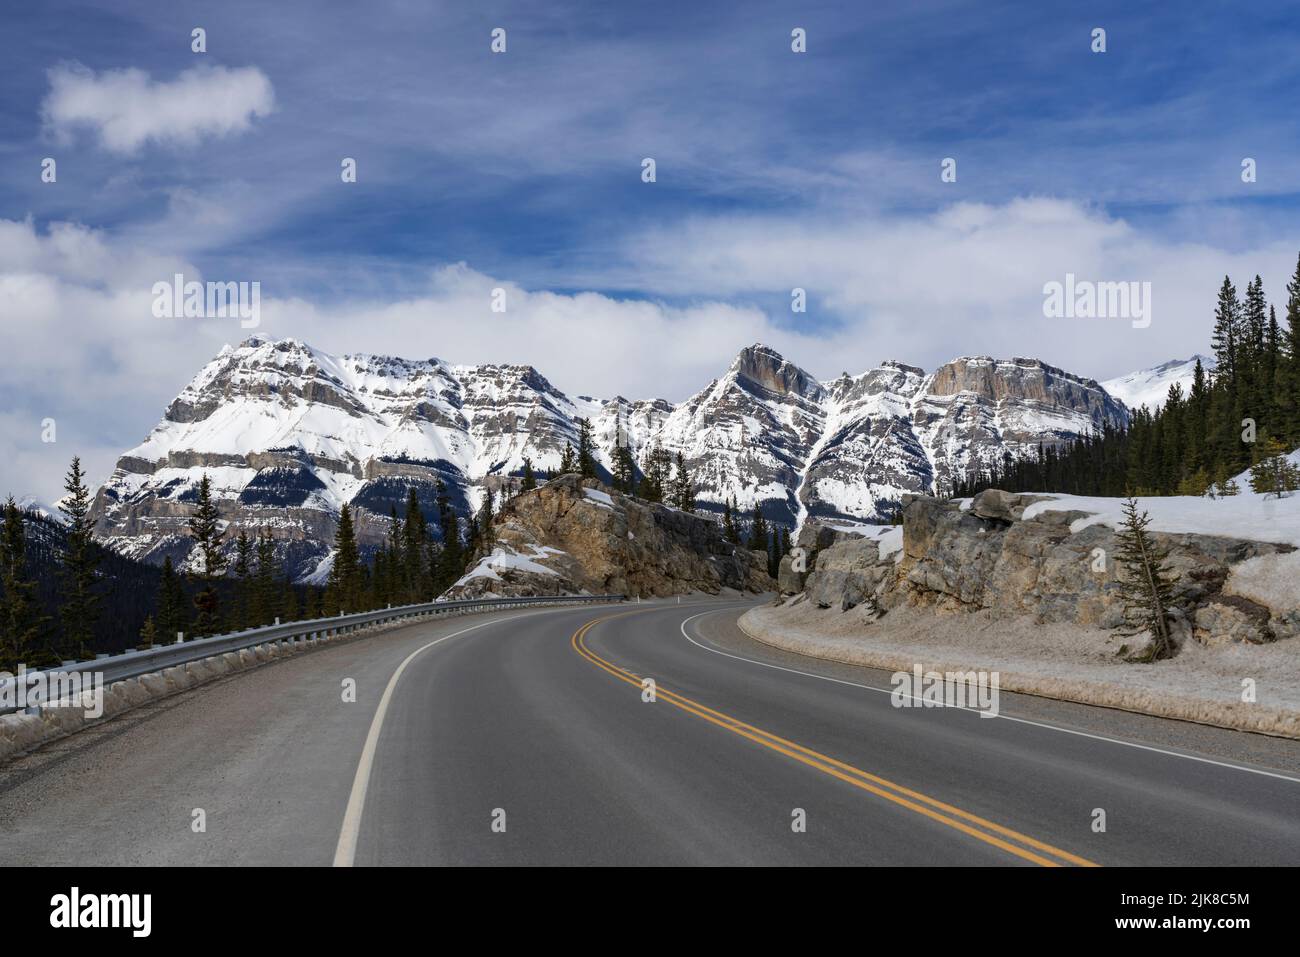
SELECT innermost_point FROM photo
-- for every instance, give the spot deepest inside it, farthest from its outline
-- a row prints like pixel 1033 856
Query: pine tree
pixel 1289 365
pixel 683 495
pixel 529 481
pixel 624 471
pixel 206 531
pixel 486 535
pixel 451 561
pixel 1274 474
pixel 171 619
pixel 654 475
pixel 395 589
pixel 265 584
pixel 148 633
pixel 345 577
pixel 432 566
pixel 1146 585
pixel 22 627
pixel 757 531
pixel 243 569
pixel 586 458
pixel 729 530
pixel 290 605
pixel 1227 331
pixel 414 535
pixel 79 599
pixel 568 460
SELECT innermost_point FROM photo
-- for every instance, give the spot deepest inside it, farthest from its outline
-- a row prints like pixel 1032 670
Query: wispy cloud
pixel 127 109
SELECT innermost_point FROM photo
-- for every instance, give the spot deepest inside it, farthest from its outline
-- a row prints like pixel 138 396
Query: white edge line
pixel 1036 724
pixel 346 850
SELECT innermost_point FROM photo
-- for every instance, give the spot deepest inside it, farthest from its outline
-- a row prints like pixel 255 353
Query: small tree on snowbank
pixel 1146 584
pixel 1274 474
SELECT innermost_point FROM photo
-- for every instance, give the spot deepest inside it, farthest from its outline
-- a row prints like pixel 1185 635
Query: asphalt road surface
pixel 526 738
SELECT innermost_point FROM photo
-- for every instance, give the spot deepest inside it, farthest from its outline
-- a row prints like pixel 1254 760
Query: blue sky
pixel 775 169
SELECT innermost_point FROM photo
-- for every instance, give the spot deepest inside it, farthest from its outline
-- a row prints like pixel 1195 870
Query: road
pixel 524 738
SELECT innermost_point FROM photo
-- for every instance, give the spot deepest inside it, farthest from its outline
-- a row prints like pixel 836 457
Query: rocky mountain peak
pixel 772 372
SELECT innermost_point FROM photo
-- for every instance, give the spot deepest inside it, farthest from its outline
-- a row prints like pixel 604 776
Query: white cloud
pixel 128 109
pixel 86 349
pixel 967 279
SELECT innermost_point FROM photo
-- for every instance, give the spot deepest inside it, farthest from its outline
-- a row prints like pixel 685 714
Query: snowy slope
pixel 1150 387
pixel 1242 516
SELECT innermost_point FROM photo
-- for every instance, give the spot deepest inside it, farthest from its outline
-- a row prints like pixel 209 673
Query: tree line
pixel 1242 416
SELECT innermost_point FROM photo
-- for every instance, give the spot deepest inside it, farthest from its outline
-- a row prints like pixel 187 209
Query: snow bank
pixel 1242 516
pixel 1271 580
pixel 596 495
pixel 503 559
pixel 1067 662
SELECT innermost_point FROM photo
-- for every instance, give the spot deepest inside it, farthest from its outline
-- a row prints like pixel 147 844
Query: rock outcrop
pixel 573 536
pixel 989 556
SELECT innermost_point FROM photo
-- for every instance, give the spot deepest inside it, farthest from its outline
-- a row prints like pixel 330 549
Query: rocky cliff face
pixel 572 536
pixel 288 434
pixel 989 556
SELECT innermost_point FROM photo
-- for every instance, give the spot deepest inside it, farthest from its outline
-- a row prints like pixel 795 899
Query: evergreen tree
pixel 1274 474
pixel 568 460
pixel 451 561
pixel 414 535
pixel 486 535
pixel 345 581
pixel 1288 384
pixel 1146 585
pixel 265 597
pixel 172 618
pixel 683 495
pixel 22 627
pixel 729 530
pixel 757 531
pixel 148 634
pixel 529 481
pixel 432 566
pixel 243 569
pixel 79 599
pixel 395 589
pixel 624 471
pixel 290 604
pixel 1227 331
pixel 206 531
pixel 655 478
pixel 316 603
pixel 586 457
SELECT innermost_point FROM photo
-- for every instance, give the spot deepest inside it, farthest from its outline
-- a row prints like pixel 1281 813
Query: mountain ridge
pixel 288 433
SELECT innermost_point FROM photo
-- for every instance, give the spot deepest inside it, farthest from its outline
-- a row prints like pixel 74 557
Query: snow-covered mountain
pixel 1150 387
pixel 288 433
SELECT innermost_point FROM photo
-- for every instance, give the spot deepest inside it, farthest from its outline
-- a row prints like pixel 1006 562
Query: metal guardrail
pixel 133 664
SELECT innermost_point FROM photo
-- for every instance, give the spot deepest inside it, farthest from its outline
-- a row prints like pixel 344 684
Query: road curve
pixel 525 738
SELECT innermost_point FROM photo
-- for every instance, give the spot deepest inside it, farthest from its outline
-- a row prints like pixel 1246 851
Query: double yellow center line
pixel 1013 842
